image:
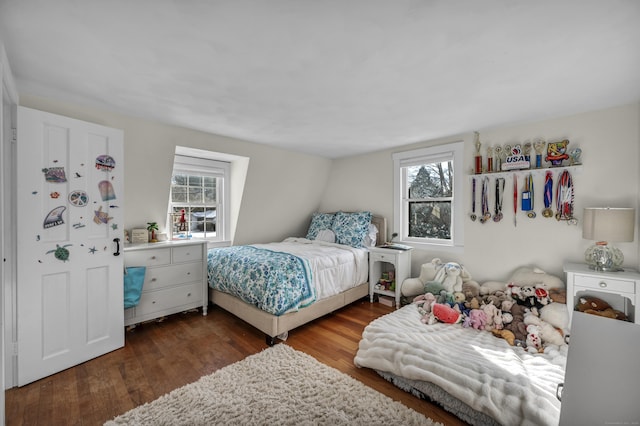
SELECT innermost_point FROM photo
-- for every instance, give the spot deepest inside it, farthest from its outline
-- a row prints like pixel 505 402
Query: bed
pixel 479 377
pixel 333 271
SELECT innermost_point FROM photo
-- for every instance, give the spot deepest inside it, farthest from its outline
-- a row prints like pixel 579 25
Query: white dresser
pixel 175 278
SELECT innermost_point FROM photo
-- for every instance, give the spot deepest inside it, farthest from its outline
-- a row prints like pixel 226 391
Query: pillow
pixel 319 221
pixel 351 228
pixel 326 235
pixel 370 239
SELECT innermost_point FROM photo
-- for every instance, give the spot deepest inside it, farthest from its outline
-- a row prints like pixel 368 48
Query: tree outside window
pixel 430 195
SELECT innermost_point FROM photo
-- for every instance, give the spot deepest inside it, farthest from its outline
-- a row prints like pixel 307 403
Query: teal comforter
pixel 273 281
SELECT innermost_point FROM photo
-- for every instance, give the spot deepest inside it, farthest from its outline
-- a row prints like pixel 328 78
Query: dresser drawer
pixel 381 257
pixel 604 284
pixel 151 257
pixel 155 301
pixel 187 253
pixel 166 276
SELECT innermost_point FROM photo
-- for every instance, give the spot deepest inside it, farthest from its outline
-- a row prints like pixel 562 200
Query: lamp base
pixel 602 257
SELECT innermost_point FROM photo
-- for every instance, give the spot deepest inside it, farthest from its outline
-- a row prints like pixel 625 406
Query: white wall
pixel 282 188
pixel 610 140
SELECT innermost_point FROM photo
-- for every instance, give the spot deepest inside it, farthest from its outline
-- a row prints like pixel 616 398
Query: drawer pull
pixel 153 280
pixel 188 294
pixel 603 284
pixel 153 258
pixel 153 303
pixel 188 273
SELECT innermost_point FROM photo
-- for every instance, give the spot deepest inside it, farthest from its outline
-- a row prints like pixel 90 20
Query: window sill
pixel 216 244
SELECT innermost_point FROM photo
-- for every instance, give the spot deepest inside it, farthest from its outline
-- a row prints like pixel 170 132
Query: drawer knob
pixel 188 294
pixel 603 284
pixel 153 303
pixel 153 258
pixel 153 279
pixel 188 273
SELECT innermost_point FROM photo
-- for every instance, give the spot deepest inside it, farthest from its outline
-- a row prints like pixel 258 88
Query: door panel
pixel 69 186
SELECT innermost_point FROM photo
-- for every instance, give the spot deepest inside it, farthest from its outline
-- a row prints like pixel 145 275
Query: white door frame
pixel 9 97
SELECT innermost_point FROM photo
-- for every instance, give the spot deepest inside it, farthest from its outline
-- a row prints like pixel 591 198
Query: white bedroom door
pixel 70 268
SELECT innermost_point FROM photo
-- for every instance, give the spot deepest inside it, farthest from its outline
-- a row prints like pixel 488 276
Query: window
pixel 428 195
pixel 198 204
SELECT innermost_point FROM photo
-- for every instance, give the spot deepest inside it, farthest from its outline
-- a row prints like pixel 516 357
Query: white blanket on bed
pixel 483 371
pixel 334 267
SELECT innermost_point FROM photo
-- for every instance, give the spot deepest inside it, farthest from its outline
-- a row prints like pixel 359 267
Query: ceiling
pixel 328 77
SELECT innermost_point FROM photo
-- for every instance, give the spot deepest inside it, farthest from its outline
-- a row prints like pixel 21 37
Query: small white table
pixel 619 289
pixel 387 260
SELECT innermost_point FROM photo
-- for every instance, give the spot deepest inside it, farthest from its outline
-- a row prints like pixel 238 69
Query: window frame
pixel 454 151
pixel 194 166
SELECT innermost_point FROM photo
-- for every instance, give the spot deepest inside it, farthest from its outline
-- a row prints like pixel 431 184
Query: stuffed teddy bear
pixel 451 276
pixel 596 306
pixel 558 295
pixel 470 289
pixel 472 304
pixel 517 325
pixel 414 286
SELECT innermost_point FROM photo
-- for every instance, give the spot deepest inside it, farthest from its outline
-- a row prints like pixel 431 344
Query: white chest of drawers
pixel 175 278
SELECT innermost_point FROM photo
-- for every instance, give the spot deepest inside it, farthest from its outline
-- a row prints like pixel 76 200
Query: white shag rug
pixel 278 386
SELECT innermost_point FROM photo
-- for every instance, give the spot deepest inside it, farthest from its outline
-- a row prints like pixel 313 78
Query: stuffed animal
pixel 490 287
pixel 531 296
pixel 476 319
pixel 470 289
pixel 423 302
pixel 433 287
pixel 414 286
pixel 558 295
pixel 492 312
pixel 451 275
pixel 472 304
pixel 506 335
pixel 444 313
pixel 534 342
pixel 526 275
pixel 556 314
pixel 591 302
pixel 517 325
pixel 548 334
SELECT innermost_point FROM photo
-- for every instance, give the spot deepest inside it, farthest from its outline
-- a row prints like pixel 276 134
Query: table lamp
pixel 604 225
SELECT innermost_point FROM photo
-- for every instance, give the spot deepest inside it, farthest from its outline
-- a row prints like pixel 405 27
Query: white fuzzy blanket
pixel 507 383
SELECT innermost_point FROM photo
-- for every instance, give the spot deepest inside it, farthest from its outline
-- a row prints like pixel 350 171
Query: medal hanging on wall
pixel 497 217
pixel 527 197
pixel 515 200
pixel 473 200
pixel 548 190
pixel 564 199
pixel 485 200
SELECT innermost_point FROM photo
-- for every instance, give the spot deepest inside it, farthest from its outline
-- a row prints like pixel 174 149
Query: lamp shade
pixel 609 224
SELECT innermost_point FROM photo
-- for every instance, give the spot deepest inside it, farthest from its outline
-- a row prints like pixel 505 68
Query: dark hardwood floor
pixel 161 356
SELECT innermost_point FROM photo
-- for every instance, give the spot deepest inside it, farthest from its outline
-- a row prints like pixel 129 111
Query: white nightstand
pixel 384 260
pixel 619 289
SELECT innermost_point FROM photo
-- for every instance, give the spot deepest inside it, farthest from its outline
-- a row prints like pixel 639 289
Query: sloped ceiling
pixel 331 78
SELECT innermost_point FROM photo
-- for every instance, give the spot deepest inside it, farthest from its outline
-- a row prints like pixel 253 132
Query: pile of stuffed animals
pixel 528 311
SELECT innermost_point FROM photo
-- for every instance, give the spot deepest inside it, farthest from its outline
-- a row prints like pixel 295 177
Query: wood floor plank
pixel 161 356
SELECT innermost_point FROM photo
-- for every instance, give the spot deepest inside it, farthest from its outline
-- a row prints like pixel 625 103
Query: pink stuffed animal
pixel 476 319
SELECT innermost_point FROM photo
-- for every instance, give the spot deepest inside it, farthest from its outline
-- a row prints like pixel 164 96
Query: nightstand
pixel 619 289
pixel 388 261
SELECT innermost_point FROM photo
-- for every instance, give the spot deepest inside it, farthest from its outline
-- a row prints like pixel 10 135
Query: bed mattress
pixel 504 382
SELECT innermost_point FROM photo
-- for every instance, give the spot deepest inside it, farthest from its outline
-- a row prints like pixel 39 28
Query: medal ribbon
pixel 548 188
pixel 564 197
